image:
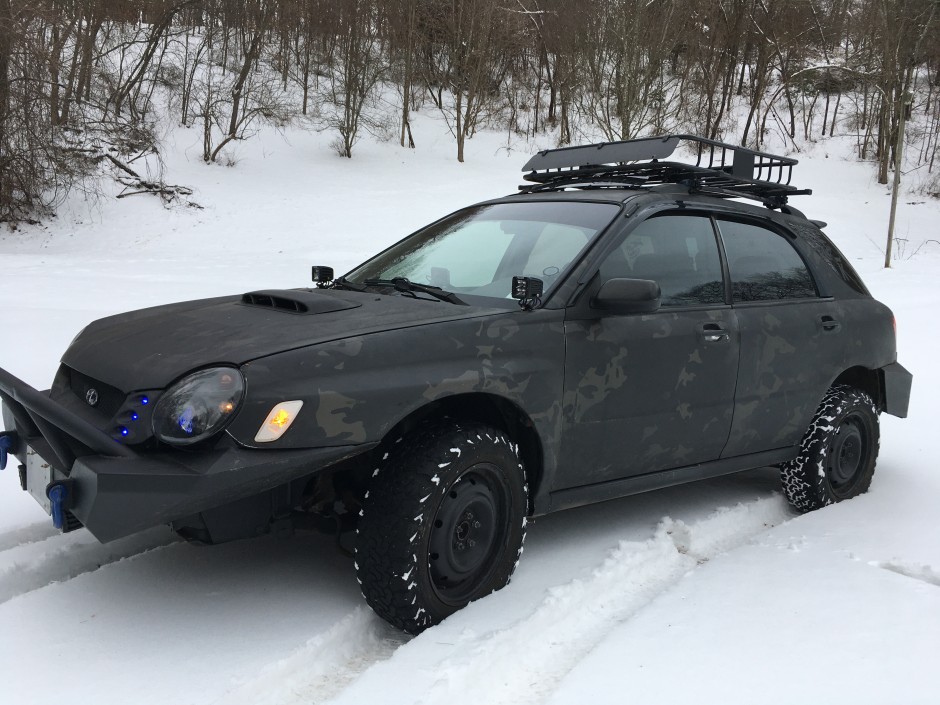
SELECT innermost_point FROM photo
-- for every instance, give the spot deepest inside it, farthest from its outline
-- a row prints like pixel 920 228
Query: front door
pixel 645 393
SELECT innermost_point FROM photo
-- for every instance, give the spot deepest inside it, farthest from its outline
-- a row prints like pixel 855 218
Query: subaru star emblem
pixel 91 396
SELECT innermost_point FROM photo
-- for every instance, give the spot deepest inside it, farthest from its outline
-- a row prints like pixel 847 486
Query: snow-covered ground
pixel 713 592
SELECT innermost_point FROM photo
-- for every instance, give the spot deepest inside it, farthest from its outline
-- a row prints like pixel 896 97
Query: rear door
pixel 645 393
pixel 791 338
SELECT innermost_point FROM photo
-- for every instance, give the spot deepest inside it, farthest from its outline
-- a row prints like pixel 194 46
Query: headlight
pixel 198 406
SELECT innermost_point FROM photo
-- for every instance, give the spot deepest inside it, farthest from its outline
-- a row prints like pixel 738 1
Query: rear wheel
pixel 442 524
pixel 838 452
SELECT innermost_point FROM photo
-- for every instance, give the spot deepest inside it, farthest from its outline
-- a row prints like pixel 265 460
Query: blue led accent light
pixel 124 430
pixel 58 495
pixel 134 416
pixel 186 420
pixel 144 401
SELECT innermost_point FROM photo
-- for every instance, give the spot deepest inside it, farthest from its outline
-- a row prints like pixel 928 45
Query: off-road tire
pixel 442 524
pixel 838 452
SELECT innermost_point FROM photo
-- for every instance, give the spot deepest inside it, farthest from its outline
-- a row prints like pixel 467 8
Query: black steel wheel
pixel 838 452
pixel 442 524
pixel 468 532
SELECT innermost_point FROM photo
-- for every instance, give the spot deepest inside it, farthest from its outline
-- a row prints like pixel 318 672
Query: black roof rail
pixel 719 169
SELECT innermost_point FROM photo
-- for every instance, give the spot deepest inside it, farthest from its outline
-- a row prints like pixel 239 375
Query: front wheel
pixel 838 452
pixel 442 524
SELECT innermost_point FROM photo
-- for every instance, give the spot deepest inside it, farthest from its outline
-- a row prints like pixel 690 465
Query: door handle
pixel 714 333
pixel 829 324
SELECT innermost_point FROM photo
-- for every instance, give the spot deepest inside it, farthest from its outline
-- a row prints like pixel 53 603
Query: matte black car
pixel 619 325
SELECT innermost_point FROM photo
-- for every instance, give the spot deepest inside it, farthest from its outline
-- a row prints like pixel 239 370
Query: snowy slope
pixel 712 592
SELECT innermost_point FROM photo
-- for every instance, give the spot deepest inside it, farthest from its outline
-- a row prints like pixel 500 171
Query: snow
pixel 711 592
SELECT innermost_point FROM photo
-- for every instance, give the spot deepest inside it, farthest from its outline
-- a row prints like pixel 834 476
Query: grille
pixel 109 398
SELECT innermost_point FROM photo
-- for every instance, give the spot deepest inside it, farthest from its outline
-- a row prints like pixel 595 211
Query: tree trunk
pixel 250 56
pixel 83 91
pixel 407 80
pixel 883 149
pixel 306 75
pixel 835 113
pixel 6 50
pixel 461 136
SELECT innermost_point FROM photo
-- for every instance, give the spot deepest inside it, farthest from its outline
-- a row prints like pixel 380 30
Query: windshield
pixel 479 250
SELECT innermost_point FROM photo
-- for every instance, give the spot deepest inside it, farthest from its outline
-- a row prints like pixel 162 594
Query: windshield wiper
pixel 343 283
pixel 407 286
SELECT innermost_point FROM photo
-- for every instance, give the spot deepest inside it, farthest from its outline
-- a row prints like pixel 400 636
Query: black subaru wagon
pixel 623 323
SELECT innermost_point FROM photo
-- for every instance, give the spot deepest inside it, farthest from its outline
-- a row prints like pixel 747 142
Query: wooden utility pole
pixel 905 106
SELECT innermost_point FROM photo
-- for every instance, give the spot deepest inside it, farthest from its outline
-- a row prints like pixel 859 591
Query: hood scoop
pixel 296 301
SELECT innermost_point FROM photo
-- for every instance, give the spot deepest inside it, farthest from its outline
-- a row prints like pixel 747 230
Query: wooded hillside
pixel 84 84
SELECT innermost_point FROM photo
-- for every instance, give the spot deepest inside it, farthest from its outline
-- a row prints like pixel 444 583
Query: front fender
pixel 355 390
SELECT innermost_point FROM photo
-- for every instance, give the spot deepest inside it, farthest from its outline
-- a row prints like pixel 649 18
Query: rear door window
pixel 764 265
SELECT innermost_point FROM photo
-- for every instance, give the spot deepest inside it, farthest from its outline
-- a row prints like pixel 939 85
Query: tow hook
pixel 8 444
pixel 61 495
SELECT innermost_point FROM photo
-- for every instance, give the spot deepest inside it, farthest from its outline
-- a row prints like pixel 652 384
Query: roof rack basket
pixel 720 169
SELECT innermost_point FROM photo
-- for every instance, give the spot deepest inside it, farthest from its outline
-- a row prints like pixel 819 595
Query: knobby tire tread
pixel 804 481
pixel 399 499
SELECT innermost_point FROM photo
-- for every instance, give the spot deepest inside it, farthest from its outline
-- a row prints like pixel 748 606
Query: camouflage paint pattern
pixel 645 393
pixel 357 389
pixel 611 397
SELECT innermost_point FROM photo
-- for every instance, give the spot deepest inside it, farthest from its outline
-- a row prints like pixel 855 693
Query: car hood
pixel 150 348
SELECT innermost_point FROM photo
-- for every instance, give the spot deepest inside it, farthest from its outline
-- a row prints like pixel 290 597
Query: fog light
pixel 278 421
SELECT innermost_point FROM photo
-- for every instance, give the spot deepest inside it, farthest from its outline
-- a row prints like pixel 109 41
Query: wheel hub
pixel 465 537
pixel 462 532
pixel 847 454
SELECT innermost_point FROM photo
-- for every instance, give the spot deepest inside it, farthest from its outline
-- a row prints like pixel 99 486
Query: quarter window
pixel 678 252
pixel 764 266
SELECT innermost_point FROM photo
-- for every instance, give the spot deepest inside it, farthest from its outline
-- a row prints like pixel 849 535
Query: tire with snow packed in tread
pixel 838 451
pixel 442 524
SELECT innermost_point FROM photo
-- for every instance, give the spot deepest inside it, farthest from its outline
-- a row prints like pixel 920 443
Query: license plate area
pixel 38 477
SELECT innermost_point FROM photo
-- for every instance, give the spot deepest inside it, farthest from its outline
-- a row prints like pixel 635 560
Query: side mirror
pixel 628 296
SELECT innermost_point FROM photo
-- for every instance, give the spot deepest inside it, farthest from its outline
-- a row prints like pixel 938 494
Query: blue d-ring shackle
pixel 7 446
pixel 58 493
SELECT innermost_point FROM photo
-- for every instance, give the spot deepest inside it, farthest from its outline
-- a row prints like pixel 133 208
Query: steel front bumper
pixel 115 497
pixel 116 491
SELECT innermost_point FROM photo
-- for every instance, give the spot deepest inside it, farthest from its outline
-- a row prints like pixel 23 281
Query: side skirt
pixel 588 494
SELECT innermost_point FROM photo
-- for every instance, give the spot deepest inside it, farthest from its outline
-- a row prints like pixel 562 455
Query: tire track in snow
pixel 524 662
pixel 322 667
pixel 35 562
pixel 27 534
pixel 917 571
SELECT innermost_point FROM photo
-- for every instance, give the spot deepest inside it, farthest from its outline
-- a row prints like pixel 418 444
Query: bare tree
pixel 231 102
pixel 83 83
pixel 627 88
pixel 357 67
pixel 463 60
